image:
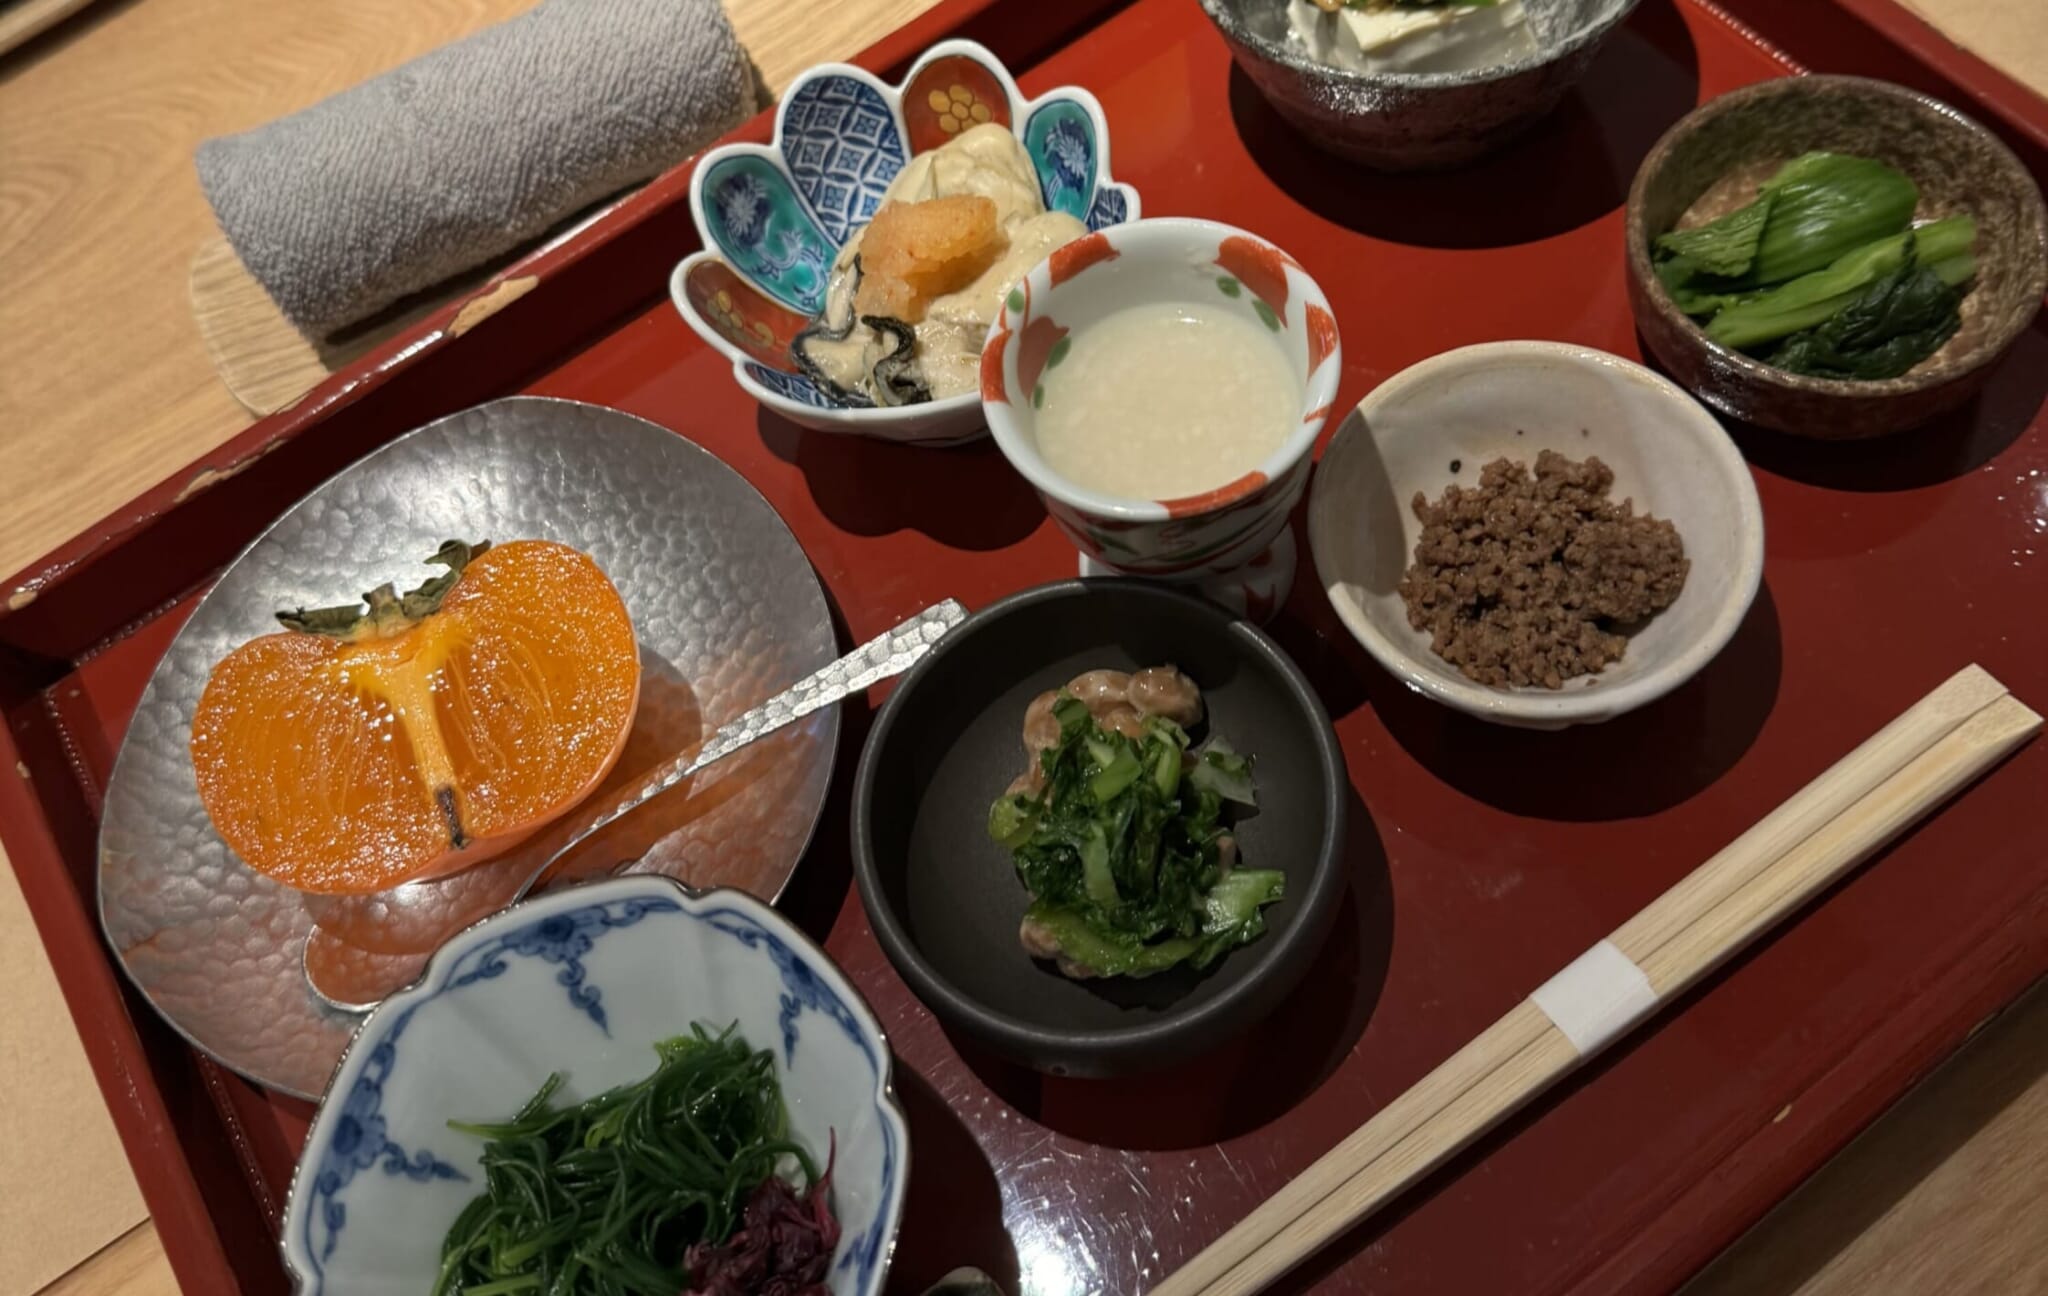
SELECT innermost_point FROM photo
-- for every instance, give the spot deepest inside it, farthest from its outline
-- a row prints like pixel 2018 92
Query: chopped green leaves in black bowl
pixel 1125 835
pixel 1100 828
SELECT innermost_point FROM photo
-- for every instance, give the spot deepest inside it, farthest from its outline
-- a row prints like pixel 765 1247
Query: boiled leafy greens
pixel 652 1188
pixel 1828 236
pixel 1815 208
pixel 1126 848
pixel 1725 248
pixel 1896 321
pixel 1812 299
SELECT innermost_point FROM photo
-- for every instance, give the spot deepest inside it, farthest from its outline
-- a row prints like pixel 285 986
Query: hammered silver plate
pixel 727 611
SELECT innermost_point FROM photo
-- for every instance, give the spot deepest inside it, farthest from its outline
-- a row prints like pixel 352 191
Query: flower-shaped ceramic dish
pixel 1165 261
pixel 1405 121
pixel 773 218
pixel 1441 421
pixel 584 982
pixel 1711 160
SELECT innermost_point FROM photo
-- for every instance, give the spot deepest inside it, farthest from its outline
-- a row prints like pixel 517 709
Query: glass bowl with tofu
pixel 1406 85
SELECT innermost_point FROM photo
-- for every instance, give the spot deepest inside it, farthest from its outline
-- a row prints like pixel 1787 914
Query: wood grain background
pixel 105 388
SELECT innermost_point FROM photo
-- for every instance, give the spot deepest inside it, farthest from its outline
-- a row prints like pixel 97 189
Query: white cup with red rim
pixel 1223 538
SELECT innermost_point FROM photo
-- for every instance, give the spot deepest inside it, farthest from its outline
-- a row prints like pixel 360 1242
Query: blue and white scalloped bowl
pixel 583 981
pixel 772 218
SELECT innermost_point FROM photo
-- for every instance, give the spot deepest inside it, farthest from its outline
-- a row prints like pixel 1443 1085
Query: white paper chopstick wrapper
pixel 1864 801
pixel 1599 995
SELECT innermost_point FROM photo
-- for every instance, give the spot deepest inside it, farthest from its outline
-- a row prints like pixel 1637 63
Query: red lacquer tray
pixel 1482 859
pixel 1881 38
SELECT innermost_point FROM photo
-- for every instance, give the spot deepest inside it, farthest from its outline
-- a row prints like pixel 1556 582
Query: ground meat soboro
pixel 1524 581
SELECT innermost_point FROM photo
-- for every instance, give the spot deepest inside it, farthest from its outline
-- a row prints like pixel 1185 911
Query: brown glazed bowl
pixel 1712 161
pixel 1415 121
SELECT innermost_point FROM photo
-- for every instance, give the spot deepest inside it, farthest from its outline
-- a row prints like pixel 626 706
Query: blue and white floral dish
pixel 584 982
pixel 772 218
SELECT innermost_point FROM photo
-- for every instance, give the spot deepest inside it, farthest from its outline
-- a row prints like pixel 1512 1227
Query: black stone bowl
pixel 945 901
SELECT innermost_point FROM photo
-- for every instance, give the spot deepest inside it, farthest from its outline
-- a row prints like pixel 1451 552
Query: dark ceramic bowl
pixel 1711 161
pixel 945 900
pixel 1415 121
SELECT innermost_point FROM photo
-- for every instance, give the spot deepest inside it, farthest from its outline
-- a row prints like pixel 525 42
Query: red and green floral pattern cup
pixel 1198 537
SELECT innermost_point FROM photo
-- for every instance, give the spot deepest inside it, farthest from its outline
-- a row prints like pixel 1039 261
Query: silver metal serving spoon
pixel 882 657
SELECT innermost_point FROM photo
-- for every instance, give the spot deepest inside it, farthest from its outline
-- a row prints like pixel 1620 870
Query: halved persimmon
pixel 363 749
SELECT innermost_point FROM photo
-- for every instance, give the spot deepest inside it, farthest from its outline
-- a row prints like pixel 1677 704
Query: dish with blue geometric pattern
pixel 773 218
pixel 584 982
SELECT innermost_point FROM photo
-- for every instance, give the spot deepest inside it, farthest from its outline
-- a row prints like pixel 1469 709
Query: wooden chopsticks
pixel 1908 768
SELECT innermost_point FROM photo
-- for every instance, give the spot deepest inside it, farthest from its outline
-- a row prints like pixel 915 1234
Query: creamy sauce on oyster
pixel 1379 36
pixel 1167 399
pixel 892 361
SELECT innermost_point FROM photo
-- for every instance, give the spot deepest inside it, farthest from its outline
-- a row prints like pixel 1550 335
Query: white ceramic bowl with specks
pixel 1470 406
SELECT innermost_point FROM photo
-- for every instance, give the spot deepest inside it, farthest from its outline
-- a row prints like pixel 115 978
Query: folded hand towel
pixel 469 151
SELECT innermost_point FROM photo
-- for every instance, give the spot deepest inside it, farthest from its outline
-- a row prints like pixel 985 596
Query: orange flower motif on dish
pixel 957 109
pixel 951 95
pixel 1210 500
pixel 1072 259
pixel 1322 335
pixel 1040 344
pixel 741 315
pixel 1261 268
pixel 992 365
pixel 749 334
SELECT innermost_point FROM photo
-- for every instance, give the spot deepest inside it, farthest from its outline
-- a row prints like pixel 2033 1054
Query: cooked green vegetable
pixel 1225 773
pixel 1816 208
pixel 1824 205
pixel 1124 851
pixel 1725 248
pixel 1943 247
pixel 1828 236
pixel 1895 324
pixel 605 1197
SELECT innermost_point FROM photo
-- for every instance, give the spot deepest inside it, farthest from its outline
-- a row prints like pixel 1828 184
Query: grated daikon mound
pixel 913 252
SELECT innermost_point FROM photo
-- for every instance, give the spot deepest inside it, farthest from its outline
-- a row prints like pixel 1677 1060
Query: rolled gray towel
pixel 467 152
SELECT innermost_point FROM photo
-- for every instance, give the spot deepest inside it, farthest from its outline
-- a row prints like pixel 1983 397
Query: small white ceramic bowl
pixel 772 219
pixel 1515 399
pixel 584 981
pixel 1167 260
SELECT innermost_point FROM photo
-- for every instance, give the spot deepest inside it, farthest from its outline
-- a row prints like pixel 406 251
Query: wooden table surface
pixel 105 388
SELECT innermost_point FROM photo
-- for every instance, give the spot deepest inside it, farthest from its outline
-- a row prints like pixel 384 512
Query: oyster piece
pixel 958 227
pixel 831 352
pixel 898 379
pixel 862 355
pixel 821 352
